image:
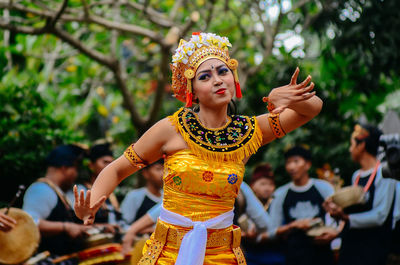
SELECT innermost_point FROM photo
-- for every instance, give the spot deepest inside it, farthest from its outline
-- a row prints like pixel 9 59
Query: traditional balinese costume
pixel 201 182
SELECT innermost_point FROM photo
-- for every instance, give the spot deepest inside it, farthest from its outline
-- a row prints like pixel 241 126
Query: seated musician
pixel 46 202
pixel 6 222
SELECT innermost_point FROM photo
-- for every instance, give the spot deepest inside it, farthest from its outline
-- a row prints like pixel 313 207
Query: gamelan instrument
pixel 108 253
pixel 18 244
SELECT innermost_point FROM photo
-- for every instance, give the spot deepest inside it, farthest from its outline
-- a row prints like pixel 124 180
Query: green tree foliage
pixel 102 67
pixel 27 132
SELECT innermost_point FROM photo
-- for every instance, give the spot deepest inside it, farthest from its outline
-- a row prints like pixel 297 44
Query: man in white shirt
pixel 45 201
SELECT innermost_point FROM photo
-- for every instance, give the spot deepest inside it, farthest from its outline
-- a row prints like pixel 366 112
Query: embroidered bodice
pixel 203 181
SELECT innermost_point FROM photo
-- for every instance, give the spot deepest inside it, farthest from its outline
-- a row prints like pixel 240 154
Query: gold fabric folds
pixel 200 190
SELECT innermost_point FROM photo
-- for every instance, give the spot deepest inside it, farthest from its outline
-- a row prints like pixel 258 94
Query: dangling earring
pixel 189 74
pixel 233 65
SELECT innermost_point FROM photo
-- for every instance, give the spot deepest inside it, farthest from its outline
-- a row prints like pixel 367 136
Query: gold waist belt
pixel 173 236
pixel 165 235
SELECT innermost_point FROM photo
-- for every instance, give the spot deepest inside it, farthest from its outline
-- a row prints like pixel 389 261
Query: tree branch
pixel 210 14
pixel 123 27
pixel 156 17
pixel 194 17
pixel 95 55
pixel 85 8
pixel 162 81
pixel 136 119
pixel 52 22
pixel 175 8
pixel 269 43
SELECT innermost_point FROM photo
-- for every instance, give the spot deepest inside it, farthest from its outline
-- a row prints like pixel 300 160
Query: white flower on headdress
pixel 187 48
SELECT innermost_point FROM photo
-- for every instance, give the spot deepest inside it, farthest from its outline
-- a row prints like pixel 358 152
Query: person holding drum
pixel 205 151
pixel 6 222
pixel 297 206
pixel 366 235
pixel 45 200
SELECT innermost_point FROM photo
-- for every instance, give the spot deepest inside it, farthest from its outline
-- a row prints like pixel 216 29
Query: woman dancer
pixel 205 153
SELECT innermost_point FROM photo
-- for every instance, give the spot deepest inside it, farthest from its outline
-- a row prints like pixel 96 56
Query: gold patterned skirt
pixel 223 246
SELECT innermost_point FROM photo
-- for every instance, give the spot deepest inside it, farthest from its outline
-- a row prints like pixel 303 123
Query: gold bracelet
pixel 135 160
pixel 275 124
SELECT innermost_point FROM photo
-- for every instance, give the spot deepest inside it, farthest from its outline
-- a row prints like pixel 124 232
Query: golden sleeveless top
pixel 203 181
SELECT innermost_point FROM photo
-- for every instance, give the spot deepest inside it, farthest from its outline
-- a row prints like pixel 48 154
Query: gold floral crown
pixel 188 57
pixel 359 132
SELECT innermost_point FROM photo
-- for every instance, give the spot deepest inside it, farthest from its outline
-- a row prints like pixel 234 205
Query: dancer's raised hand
pixel 82 207
pixel 282 97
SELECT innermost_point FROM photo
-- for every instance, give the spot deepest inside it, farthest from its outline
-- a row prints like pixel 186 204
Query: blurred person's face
pixel 263 188
pixel 70 174
pixel 297 167
pixel 154 175
pixel 100 164
pixel 356 149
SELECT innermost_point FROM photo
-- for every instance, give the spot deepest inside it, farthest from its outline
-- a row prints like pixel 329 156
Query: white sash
pixel 193 246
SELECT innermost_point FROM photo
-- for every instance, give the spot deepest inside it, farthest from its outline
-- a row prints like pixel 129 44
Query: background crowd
pixel 296 223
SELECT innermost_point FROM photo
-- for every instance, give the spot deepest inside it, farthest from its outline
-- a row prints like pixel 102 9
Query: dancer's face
pixel 213 84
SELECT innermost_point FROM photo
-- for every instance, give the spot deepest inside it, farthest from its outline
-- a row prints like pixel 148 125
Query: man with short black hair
pixel 46 202
pixel 366 235
pixel 296 206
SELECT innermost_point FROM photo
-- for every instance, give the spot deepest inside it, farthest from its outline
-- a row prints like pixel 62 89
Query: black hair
pixel 298 151
pixel 99 150
pixel 372 141
pixel 65 155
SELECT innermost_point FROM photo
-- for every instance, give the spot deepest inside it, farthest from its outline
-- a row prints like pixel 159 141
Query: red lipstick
pixel 220 91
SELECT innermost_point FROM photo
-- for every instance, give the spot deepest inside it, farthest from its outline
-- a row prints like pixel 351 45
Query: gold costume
pixel 201 183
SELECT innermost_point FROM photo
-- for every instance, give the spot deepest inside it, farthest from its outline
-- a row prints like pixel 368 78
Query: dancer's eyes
pixel 223 71
pixel 204 76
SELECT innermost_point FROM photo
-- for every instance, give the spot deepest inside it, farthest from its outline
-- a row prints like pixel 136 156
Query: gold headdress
pixel 359 132
pixel 190 54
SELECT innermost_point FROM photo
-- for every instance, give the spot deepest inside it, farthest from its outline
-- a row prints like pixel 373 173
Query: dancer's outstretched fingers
pixel 293 81
pixel 81 198
pixel 99 203
pixel 304 83
pixel 308 95
pixel 87 200
pixel 305 90
pixel 76 195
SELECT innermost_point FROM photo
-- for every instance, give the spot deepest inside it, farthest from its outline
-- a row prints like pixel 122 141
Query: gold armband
pixel 275 124
pixel 135 160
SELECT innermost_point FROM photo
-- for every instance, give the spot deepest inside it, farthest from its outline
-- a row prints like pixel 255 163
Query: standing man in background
pixel 367 233
pixel 296 206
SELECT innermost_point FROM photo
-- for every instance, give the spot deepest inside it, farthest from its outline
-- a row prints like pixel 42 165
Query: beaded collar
pixel 238 138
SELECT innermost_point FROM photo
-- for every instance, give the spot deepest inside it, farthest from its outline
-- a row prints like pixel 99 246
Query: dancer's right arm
pixel 150 147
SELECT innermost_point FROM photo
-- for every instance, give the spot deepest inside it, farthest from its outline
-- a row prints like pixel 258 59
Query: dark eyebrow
pixel 209 70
